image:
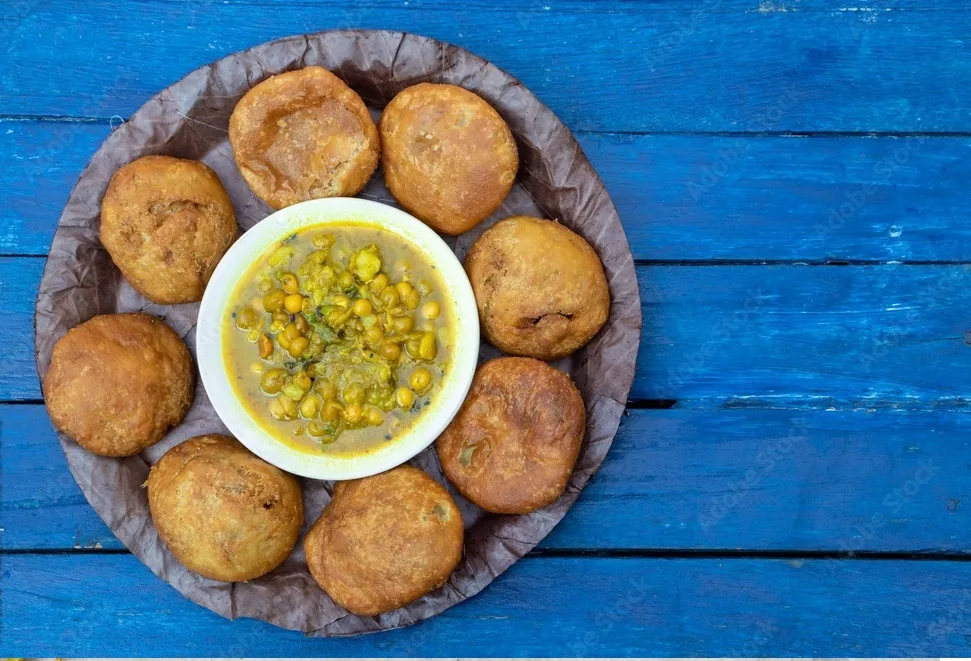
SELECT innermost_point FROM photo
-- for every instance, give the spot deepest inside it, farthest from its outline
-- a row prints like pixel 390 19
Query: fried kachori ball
pixel 512 446
pixel 448 157
pixel 540 288
pixel 303 135
pixel 118 382
pixel 166 222
pixel 223 512
pixel 384 541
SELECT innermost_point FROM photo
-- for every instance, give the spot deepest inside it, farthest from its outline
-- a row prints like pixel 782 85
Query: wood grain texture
pixel 688 198
pixel 674 479
pixel 848 337
pixel 708 66
pixel 102 605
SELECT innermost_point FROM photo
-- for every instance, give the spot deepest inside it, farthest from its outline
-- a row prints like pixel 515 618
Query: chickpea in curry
pixel 338 337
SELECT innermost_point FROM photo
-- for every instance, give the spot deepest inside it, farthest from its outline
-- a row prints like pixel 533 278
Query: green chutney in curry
pixel 338 337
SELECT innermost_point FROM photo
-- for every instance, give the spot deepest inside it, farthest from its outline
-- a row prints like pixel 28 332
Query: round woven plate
pixel 189 120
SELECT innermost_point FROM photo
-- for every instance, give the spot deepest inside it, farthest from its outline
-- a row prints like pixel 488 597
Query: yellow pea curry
pixel 338 337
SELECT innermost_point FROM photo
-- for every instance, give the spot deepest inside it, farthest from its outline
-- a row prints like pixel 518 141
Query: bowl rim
pixel 254 243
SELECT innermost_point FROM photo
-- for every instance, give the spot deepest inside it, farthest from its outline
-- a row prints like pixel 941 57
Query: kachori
pixel 384 541
pixel 222 511
pixel 166 222
pixel 448 157
pixel 303 135
pixel 512 446
pixel 540 288
pixel 118 382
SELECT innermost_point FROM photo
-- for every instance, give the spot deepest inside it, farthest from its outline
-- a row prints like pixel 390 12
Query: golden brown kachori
pixel 512 446
pixel 222 511
pixel 540 288
pixel 303 135
pixel 166 222
pixel 448 157
pixel 118 382
pixel 384 541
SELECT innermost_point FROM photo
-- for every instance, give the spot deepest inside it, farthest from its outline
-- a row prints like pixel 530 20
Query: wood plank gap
pixel 689 554
pixel 796 262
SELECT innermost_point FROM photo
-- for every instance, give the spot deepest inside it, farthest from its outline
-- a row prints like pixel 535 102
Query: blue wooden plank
pixel 681 197
pixel 848 337
pixel 696 68
pixel 674 479
pixel 637 607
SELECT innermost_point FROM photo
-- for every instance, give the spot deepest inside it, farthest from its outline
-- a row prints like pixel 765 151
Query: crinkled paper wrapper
pixel 190 120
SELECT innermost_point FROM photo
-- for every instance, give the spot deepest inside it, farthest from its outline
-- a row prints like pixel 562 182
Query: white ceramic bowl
pixel 250 247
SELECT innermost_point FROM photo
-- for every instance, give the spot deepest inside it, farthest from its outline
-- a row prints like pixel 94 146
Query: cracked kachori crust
pixel 540 288
pixel 448 157
pixel 303 135
pixel 166 222
pixel 118 382
pixel 512 446
pixel 222 511
pixel 383 541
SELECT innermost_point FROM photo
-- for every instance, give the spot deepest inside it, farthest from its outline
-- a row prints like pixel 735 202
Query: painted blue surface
pixel 813 408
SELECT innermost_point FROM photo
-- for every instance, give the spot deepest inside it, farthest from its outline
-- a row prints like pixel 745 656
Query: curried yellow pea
pixel 378 282
pixel 332 411
pixel 283 408
pixel 310 406
pixel 325 389
pixel 290 283
pixel 427 349
pixel 273 380
pixel 346 280
pixel 302 379
pixel 315 429
pixel 273 301
pixel 291 332
pixel 362 307
pixel 342 301
pixel 293 303
pixel 405 397
pixel 431 310
pixel 374 334
pixel 404 289
pixel 374 416
pixel 412 300
pixel 298 346
pixel 420 380
pixel 265 346
pixel 390 297
pixel 354 414
pixel 302 324
pixel 247 319
pixel 403 324
pixel 390 350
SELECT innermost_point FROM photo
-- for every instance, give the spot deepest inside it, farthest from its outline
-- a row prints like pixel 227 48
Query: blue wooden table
pixel 793 475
